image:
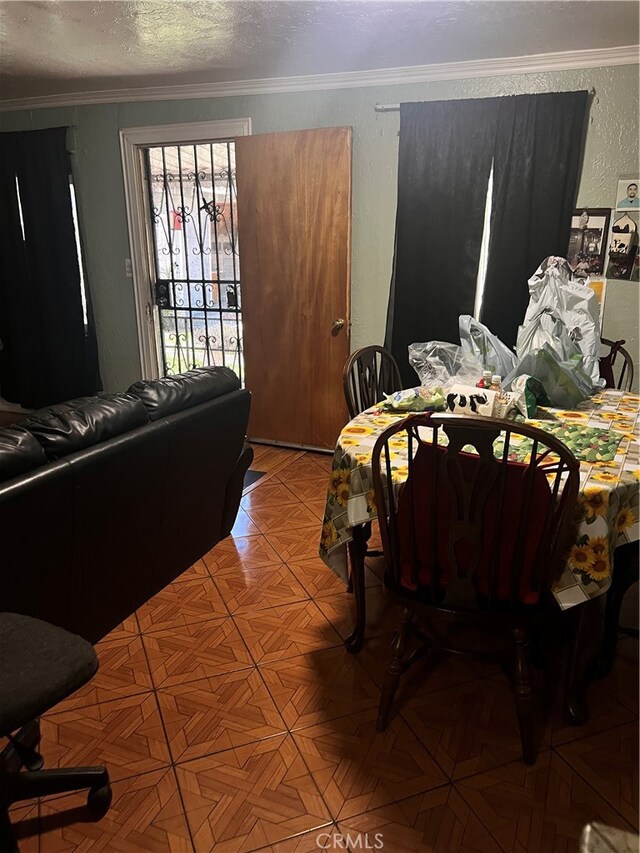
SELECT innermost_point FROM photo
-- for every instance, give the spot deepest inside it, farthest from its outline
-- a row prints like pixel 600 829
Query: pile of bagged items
pixel 555 360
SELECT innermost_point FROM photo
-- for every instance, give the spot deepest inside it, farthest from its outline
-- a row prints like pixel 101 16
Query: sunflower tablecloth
pixel 604 434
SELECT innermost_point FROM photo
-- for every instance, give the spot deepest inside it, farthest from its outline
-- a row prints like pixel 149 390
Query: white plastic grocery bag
pixel 563 317
pixel 484 347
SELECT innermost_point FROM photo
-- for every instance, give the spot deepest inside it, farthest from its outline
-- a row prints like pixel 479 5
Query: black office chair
pixel 40 665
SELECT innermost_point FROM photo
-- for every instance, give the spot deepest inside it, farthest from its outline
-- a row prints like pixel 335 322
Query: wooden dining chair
pixel 369 374
pixel 616 367
pixel 473 540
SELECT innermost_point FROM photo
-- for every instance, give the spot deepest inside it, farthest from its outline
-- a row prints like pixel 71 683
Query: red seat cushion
pixel 468 536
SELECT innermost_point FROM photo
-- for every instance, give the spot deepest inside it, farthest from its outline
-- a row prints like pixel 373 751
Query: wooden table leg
pixel 625 574
pixel 357 552
pixel 584 627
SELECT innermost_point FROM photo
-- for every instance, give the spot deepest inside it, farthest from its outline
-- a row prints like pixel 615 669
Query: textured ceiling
pixel 61 47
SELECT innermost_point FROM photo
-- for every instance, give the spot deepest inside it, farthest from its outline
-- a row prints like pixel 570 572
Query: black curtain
pixel 537 161
pixel 445 156
pixel 48 354
pixel 443 171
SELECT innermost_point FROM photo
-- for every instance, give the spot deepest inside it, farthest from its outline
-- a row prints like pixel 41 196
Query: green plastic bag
pixel 565 382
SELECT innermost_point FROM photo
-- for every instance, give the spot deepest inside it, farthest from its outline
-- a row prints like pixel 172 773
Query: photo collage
pixel 623 262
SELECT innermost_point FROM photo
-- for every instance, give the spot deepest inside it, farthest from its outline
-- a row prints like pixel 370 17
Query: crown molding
pixel 559 61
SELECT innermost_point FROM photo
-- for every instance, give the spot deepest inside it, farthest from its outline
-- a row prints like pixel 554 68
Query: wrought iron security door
pixel 192 191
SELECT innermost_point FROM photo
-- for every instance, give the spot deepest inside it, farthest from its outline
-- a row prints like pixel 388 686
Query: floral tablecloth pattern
pixel 607 514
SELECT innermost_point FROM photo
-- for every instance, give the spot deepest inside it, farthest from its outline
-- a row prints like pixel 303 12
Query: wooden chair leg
pixel 524 698
pixel 394 670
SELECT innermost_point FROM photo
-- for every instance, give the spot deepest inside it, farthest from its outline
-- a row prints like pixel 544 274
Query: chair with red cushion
pixel 472 539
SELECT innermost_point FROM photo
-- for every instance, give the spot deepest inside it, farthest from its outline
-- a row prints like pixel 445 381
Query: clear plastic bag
pixel 438 364
pixel 415 400
pixel 484 347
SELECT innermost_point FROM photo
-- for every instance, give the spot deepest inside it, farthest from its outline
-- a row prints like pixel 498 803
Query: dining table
pixel 603 432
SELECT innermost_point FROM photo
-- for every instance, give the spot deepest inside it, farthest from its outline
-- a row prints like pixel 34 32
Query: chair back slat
pixel 616 367
pixel 434 519
pixel 528 478
pixel 391 497
pixel 469 529
pixel 412 521
pixel 467 498
pixel 369 374
pixel 495 556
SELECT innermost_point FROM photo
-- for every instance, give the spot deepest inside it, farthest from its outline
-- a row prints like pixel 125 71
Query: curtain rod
pixel 394 108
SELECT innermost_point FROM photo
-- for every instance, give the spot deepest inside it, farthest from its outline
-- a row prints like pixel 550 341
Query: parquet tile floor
pixel 232 719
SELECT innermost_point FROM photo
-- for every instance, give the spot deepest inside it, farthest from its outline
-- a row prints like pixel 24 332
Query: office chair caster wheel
pixel 99 800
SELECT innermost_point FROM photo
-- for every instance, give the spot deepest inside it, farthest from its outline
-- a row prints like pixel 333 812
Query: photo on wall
pixel 623 247
pixel 588 241
pixel 627 197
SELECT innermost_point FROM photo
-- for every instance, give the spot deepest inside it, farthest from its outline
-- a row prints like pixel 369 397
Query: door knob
pixel 337 325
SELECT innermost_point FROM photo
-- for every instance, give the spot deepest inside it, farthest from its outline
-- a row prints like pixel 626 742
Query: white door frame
pixel 132 141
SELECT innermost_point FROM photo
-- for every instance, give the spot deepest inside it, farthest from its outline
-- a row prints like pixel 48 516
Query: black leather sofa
pixel 105 500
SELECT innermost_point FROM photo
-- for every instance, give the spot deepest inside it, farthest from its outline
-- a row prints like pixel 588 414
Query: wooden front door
pixel 294 225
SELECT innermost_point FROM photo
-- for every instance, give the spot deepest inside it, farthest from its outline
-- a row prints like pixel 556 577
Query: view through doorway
pixel 196 275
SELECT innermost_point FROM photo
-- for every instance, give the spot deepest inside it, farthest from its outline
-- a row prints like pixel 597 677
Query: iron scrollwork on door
pixel 197 284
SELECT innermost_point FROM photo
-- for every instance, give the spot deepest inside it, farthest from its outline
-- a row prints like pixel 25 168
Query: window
pixel 484 250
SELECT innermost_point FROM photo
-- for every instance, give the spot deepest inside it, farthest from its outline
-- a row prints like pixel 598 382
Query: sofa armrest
pixel 234 490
